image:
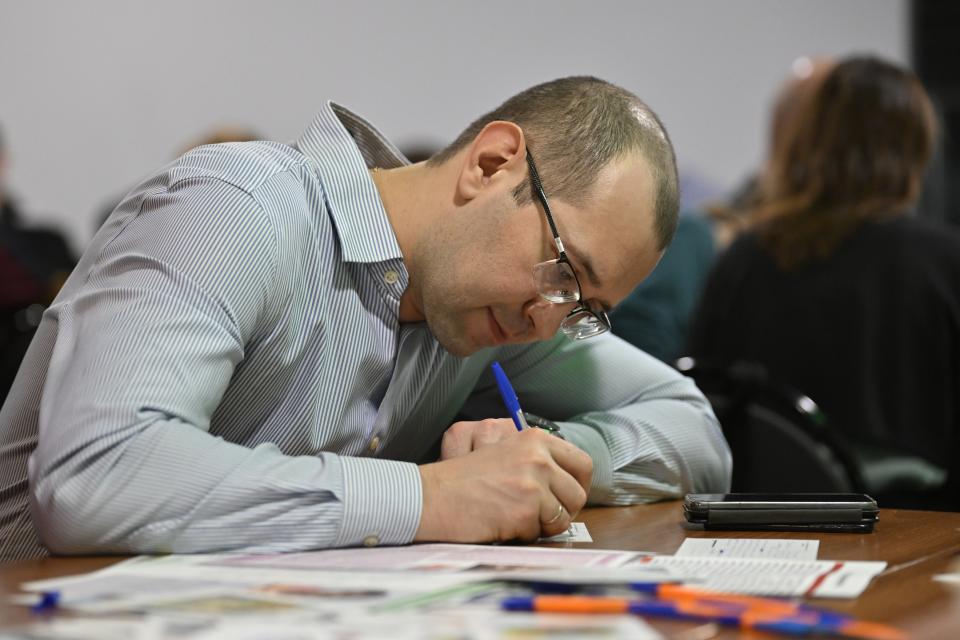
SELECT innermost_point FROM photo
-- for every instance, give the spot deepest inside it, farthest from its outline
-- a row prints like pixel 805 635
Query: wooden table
pixel 916 545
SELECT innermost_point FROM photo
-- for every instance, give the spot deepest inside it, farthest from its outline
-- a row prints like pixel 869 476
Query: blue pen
pixel 509 397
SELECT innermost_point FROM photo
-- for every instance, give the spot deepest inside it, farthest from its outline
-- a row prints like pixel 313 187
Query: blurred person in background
pixel 656 315
pixel 839 290
pixel 34 262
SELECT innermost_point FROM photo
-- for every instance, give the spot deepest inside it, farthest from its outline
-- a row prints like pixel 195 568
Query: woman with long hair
pixel 838 288
pixel 856 153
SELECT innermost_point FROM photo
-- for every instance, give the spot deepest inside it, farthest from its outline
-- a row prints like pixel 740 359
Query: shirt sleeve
pixel 651 433
pixel 144 350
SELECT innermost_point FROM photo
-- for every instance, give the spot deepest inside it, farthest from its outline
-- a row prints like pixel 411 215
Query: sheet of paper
pixel 466 624
pixel 432 557
pixel 768 577
pixel 749 548
pixel 576 532
pixel 317 580
pixel 148 586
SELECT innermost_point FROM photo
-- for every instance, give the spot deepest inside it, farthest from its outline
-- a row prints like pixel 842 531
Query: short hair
pixel 857 151
pixel 574 127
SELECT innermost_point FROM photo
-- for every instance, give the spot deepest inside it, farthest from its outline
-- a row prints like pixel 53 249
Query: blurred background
pixel 97 94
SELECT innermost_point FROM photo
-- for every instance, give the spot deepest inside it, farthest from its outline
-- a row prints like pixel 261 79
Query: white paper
pixel 948 578
pixel 432 557
pixel 749 548
pixel 317 581
pixel 576 532
pixel 767 577
pixel 147 586
pixel 462 624
pixel 465 624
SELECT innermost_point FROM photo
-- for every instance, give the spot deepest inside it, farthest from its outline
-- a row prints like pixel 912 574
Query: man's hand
pixel 523 487
pixel 463 437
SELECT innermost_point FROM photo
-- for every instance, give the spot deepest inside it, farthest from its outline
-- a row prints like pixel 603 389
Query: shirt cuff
pixel 596 447
pixel 382 502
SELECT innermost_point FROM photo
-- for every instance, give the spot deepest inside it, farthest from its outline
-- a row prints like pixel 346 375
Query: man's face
pixel 475 268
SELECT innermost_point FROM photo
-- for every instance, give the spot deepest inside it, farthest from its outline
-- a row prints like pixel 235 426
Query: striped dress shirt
pixel 225 370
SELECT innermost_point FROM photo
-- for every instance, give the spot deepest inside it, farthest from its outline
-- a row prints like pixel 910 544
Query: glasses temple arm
pixel 538 189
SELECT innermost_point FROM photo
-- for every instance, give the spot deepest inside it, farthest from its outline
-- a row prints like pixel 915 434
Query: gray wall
pixel 95 94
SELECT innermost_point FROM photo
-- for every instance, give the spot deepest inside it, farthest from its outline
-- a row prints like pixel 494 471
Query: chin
pixel 462 351
pixel 457 343
pixel 460 348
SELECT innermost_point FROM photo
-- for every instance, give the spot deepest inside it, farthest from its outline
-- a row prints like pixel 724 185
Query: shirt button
pixel 375 443
pixel 391 277
pixel 371 541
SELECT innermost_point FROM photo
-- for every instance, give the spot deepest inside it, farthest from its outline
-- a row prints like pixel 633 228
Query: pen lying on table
pixel 762 614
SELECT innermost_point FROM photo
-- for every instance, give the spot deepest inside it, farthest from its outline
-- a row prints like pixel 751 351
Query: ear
pixel 497 153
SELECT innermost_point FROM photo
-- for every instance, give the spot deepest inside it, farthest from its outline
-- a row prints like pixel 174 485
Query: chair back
pixel 779 438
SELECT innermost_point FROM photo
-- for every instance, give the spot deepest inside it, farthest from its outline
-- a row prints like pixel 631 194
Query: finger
pixel 571 459
pixel 466 436
pixel 568 491
pixel 555 520
pixel 456 441
pixel 492 431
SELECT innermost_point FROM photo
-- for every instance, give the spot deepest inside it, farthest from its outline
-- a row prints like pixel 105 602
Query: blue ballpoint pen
pixel 509 397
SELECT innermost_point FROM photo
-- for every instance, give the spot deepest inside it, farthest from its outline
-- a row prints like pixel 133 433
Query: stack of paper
pixel 419 590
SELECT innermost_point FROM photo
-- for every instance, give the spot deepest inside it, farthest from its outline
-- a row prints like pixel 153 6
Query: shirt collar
pixel 345 146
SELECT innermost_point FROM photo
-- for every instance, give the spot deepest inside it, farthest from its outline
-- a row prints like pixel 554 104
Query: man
pixel 264 339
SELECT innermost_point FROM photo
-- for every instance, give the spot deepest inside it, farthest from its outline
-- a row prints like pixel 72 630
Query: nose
pixel 545 316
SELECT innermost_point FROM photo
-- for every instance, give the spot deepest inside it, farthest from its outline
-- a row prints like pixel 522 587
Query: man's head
pixel 575 126
pixel 609 175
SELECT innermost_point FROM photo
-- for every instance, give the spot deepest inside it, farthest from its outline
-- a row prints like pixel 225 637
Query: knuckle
pixel 537 464
pixel 531 435
pixel 580 500
pixel 527 488
pixel 506 424
pixel 541 463
pixel 588 464
pixel 539 434
pixel 459 428
pixel 451 438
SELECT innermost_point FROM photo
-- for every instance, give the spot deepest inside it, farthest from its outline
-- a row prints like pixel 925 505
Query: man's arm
pixel 144 350
pixel 651 433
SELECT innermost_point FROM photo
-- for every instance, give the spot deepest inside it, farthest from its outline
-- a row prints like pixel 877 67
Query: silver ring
pixel 559 515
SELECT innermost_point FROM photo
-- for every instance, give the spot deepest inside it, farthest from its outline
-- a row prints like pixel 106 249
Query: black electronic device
pixel 854 512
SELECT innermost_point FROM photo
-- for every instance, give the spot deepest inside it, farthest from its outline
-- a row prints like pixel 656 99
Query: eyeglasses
pixel 557 282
